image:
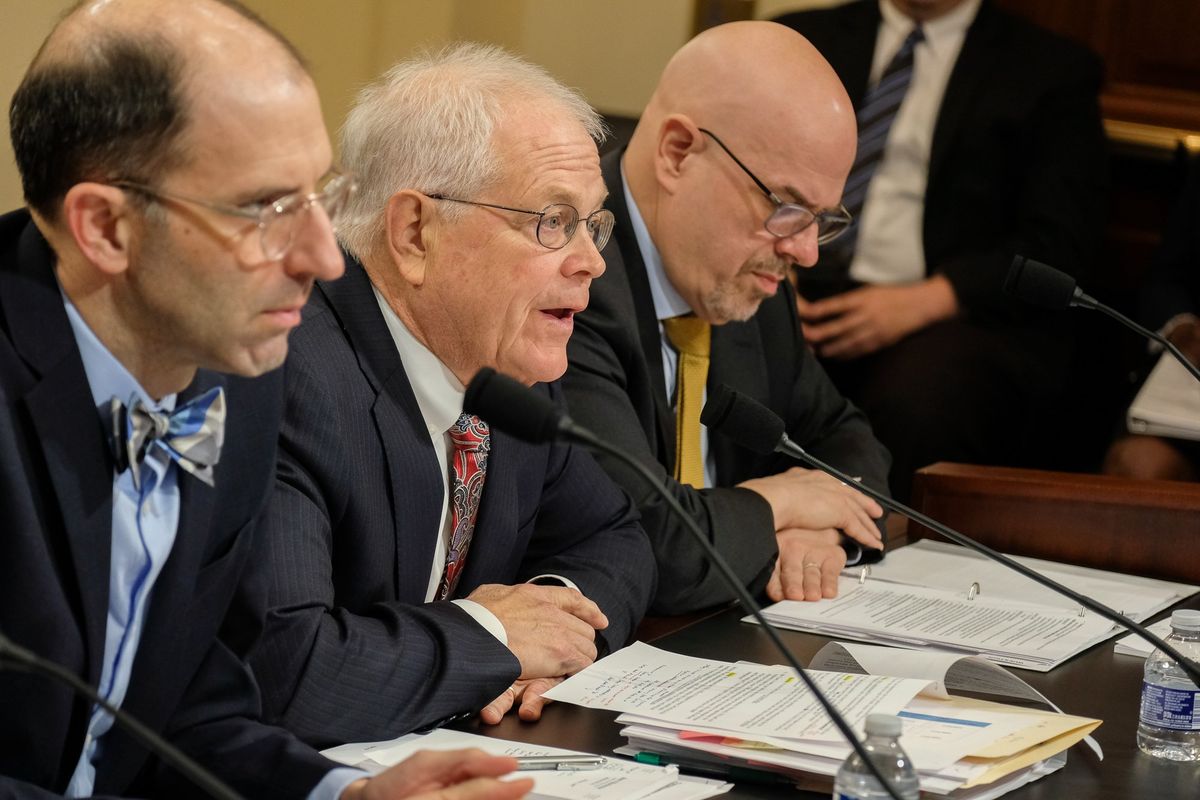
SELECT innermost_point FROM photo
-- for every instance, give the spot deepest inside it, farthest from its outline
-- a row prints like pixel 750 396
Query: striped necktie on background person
pixel 875 118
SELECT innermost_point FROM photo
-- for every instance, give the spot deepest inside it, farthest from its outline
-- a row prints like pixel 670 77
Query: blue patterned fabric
pixel 191 436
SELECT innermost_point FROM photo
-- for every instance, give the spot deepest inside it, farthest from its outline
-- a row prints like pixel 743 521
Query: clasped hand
pixel 552 632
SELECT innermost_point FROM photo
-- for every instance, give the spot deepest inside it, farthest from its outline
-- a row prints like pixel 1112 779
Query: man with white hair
pixel 419 564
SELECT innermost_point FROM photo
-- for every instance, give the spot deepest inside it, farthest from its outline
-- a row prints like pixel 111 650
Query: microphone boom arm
pixel 13 656
pixel 1085 301
pixel 569 430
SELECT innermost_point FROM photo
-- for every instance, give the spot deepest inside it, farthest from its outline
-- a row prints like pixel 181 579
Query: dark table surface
pixel 1097 683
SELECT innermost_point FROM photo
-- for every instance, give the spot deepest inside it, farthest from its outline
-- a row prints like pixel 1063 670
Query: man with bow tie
pixel 180 207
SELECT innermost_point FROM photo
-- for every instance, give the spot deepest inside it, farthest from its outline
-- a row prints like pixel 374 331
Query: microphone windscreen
pixel 1039 284
pixel 510 406
pixel 743 419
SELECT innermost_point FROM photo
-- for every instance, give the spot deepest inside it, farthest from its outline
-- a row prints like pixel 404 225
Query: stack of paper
pixel 938 595
pixel 1168 403
pixel 1134 645
pixel 741 716
pixel 616 780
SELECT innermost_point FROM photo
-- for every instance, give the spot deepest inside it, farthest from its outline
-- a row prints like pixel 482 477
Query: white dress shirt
pixel 890 247
pixel 440 398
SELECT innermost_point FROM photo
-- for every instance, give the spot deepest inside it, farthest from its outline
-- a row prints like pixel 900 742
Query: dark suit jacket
pixel 56 481
pixel 351 651
pixel 1017 162
pixel 615 386
pixel 1173 286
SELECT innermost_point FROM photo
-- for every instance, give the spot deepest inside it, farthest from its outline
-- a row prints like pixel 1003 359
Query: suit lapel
pixel 413 472
pixel 738 361
pixel 494 551
pixel 855 50
pixel 69 430
pixel 176 585
pixel 975 60
pixel 624 260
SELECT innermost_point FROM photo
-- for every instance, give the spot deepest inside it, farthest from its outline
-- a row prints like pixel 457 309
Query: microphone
pixel 512 407
pixel 1046 287
pixel 15 657
pixel 756 427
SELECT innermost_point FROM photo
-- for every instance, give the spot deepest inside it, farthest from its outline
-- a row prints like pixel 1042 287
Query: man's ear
pixel 678 138
pixel 411 219
pixel 100 219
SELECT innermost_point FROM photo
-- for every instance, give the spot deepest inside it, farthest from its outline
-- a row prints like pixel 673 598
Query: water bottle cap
pixel 883 725
pixel 1187 618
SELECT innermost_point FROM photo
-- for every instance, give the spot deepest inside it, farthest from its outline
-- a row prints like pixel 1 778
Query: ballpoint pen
pixel 561 763
pixel 728 772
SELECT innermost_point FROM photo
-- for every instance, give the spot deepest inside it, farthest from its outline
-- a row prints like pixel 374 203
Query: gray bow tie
pixel 191 435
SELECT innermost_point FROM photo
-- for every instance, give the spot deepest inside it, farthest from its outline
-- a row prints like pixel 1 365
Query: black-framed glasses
pixel 788 219
pixel 557 222
pixel 276 220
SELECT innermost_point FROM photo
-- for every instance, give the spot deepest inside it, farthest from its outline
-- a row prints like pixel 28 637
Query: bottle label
pixel 1164 707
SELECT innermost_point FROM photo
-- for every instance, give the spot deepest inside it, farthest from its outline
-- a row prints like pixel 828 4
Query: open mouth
pixel 560 313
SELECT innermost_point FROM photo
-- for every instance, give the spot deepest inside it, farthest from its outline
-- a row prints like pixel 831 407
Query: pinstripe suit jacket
pixel 350 650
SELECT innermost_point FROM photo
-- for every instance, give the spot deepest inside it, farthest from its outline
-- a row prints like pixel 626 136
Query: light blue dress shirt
pixel 668 303
pixel 144 525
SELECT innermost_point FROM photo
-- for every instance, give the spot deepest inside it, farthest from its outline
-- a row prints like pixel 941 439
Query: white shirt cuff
pixel 550 578
pixel 335 782
pixel 490 622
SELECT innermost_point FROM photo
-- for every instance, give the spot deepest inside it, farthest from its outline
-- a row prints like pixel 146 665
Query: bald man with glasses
pixel 731 176
pixel 420 565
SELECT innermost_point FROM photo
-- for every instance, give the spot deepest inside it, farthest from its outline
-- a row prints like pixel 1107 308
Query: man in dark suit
pixel 133 473
pixel 421 565
pixel 704 235
pixel 980 138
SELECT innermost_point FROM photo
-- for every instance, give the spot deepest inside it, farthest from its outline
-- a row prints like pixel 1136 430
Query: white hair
pixel 427 125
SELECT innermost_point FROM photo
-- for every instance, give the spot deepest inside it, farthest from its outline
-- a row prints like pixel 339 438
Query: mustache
pixel 777 267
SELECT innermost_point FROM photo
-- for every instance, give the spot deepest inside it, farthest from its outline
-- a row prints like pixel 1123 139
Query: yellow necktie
pixel 692 338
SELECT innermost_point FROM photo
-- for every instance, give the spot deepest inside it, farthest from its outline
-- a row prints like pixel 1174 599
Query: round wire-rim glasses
pixel 557 222
pixel 275 220
pixel 788 219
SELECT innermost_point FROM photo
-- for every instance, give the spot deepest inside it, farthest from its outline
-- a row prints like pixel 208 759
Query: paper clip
pixel 973 592
pixel 863 574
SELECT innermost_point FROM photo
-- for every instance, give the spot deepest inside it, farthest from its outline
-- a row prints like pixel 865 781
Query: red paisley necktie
pixel 472 442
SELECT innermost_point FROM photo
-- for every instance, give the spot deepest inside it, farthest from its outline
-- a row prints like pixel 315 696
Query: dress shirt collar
pixel 439 394
pixel 945 31
pixel 667 301
pixel 107 377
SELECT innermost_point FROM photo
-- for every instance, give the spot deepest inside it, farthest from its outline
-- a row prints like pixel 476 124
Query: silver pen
pixel 562 763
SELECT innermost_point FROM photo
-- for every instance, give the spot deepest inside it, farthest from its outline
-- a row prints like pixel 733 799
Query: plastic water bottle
pixel 854 779
pixel 1170 719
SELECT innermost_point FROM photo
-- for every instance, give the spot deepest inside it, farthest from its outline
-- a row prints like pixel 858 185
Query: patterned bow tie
pixel 191 435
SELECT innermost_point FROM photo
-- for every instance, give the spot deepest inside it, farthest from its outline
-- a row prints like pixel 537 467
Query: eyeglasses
pixel 557 222
pixel 276 220
pixel 788 219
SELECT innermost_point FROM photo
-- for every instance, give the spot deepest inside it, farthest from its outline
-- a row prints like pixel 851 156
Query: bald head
pixel 114 89
pixel 770 98
pixel 754 76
